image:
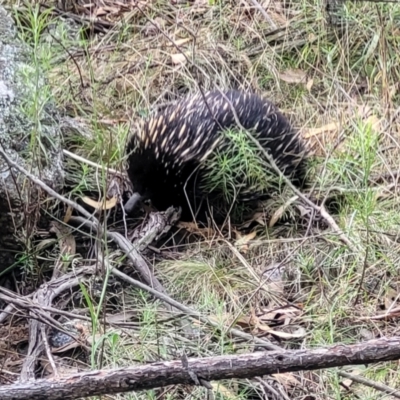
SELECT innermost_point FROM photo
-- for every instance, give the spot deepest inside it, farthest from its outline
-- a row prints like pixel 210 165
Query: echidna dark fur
pixel 169 154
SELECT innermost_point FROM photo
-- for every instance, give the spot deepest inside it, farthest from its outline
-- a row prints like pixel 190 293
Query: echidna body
pixel 172 155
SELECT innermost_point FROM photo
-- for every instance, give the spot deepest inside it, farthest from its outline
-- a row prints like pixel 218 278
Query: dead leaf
pixel 281 315
pixel 259 217
pixel 243 242
pixel 264 328
pixel 96 339
pixel 373 120
pixel 244 321
pixel 100 205
pixel 287 379
pixel 206 233
pixel 179 42
pixel 366 114
pixel 280 211
pixel 309 84
pixel 68 214
pixel 347 383
pixel 297 334
pixel 293 76
pixel 178 58
pixel 218 387
pixel 251 321
pixel 100 12
pixel 316 131
pixel 303 211
pixel 44 243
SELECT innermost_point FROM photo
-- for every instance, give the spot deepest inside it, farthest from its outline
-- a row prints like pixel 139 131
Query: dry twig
pixel 367 382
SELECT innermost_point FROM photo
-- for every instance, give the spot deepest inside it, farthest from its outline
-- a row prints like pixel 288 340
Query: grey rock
pixel 30 135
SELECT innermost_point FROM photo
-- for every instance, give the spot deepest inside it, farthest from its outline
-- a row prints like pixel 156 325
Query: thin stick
pixel 192 313
pixel 287 181
pixel 367 382
pixel 264 13
pixel 93 164
pixel 48 189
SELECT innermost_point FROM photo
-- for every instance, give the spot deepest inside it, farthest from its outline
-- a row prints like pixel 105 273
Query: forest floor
pixel 296 283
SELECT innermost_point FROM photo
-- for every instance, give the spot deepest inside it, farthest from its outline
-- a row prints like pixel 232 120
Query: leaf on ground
pixel 256 217
pixel 293 76
pixel 280 211
pixel 178 58
pixel 100 205
pixel 242 243
pixel 297 334
pixel 44 243
pixel 354 371
pixel 251 321
pixel 100 11
pixel 332 126
pixel 179 42
pixel 366 114
pixel 264 328
pixel 223 390
pixel 287 379
pixel 191 227
pixel 263 323
pixel 346 382
pixel 303 210
pixel 281 315
pixel 68 214
pixel 374 121
pixel 309 84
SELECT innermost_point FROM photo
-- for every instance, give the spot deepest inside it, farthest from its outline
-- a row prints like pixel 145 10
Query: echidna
pixel 194 155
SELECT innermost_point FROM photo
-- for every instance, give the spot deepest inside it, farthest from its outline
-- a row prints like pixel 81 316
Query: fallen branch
pixel 155 288
pixel 156 226
pixel 160 374
pixel 44 296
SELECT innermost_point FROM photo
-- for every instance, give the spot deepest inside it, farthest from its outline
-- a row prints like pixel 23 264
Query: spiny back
pixel 169 153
